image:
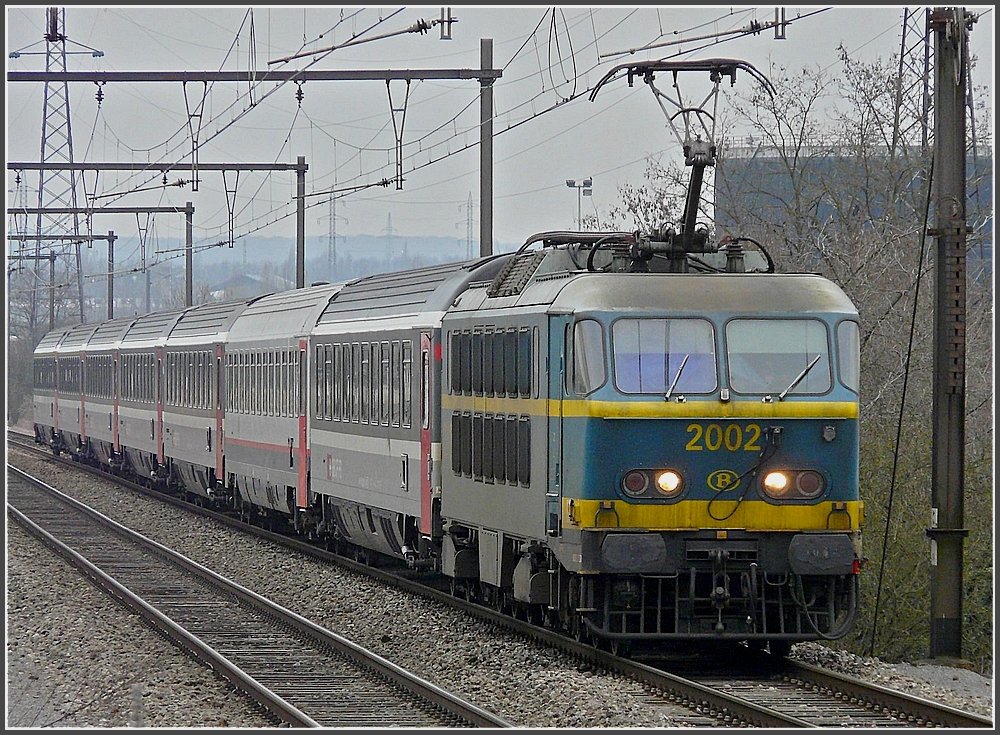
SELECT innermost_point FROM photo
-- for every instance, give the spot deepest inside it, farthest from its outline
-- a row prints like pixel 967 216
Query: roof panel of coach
pixel 150 327
pixel 206 320
pixel 110 332
pixel 285 314
pixel 76 338
pixel 431 289
pixel 50 341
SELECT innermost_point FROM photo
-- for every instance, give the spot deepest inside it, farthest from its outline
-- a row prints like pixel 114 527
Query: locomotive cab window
pixel 849 354
pixel 589 371
pixel 778 355
pixel 664 355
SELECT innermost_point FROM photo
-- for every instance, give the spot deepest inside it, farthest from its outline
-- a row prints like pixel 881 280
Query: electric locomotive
pixel 692 438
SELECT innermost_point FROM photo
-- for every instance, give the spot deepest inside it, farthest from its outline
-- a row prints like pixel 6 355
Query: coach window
pixel 345 381
pixel 512 450
pixel 539 360
pixel 524 450
pixel 375 386
pixel 272 383
pixel 328 378
pixel 488 448
pixel 488 362
pixel 524 362
pixel 477 362
pixel 396 391
pixel 510 362
pixel 356 382
pixel 366 381
pixel 425 389
pixel 386 385
pixel 498 362
pixel 407 387
pixel 454 373
pixel 202 382
pixel 320 380
pixel 499 449
pixel 336 381
pixel 477 446
pixel 465 362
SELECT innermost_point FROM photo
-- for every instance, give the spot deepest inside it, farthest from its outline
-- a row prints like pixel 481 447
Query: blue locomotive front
pixel 710 460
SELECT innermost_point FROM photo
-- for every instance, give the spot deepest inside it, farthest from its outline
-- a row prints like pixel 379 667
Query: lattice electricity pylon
pixel 690 122
pixel 916 60
pixel 57 188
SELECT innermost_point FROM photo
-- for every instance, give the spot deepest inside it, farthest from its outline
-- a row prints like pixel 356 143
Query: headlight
pixel 634 483
pixel 669 482
pixel 776 484
pixel 809 483
pixel 793 484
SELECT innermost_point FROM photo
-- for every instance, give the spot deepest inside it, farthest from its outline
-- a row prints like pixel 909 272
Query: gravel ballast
pixel 527 684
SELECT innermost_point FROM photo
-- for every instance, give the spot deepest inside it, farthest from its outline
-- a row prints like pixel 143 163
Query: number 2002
pixel 714 437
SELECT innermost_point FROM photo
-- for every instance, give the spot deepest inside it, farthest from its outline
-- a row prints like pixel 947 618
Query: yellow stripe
pixel 755 515
pixel 654 409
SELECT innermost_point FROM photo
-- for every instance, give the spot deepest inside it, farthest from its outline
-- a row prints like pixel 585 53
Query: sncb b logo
pixel 722 480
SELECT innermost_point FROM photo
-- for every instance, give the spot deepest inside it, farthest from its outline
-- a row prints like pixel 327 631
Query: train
pixel 599 431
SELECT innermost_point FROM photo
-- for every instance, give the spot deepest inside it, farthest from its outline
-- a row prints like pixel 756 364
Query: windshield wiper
pixel 677 377
pixel 798 380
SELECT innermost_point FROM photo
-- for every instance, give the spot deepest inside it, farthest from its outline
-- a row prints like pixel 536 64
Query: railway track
pixel 757 692
pixel 304 675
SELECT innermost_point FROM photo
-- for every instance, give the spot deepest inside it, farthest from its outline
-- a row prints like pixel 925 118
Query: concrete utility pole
pixel 950 27
pixel 300 222
pixel 111 274
pixel 486 149
pixel 188 254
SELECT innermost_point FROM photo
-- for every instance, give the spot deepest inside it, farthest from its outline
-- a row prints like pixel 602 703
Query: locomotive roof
pixel 688 292
pixel 424 290
pixel 283 315
pixel 798 293
pixel 206 321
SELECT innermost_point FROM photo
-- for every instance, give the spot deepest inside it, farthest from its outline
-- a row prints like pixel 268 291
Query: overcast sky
pixel 545 135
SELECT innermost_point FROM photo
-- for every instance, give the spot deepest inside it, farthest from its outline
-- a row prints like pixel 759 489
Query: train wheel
pixel 621 647
pixel 780 648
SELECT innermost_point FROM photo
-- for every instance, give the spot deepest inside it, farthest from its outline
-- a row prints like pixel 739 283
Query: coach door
pixel 301 399
pixel 430 436
pixel 559 331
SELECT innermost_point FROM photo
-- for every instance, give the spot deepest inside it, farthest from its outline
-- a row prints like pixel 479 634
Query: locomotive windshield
pixel 778 356
pixel 664 356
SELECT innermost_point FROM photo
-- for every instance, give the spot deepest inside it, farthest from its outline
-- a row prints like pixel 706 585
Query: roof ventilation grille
pixel 515 274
